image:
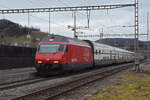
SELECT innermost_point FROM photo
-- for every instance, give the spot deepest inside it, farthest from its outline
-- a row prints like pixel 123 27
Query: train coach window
pixel 99 51
pixel 96 52
pixel 63 48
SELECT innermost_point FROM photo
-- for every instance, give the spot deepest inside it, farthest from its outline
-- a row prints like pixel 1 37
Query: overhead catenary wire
pixel 115 24
pixel 49 19
pixel 39 3
pixel 30 15
pixel 75 18
pixel 86 1
pixel 3 6
pixel 30 2
pixel 99 7
pixel 88 13
pixel 49 31
pixel 97 1
pixel 68 6
pixel 46 20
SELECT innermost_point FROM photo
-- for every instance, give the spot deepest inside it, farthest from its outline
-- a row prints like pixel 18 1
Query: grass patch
pixel 132 86
pixel 148 64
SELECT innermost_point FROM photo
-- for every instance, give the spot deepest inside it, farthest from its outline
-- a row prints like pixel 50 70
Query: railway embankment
pixel 131 86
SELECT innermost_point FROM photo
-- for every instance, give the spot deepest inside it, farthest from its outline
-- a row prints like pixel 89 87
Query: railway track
pixel 53 92
pixel 16 75
pixel 20 83
pixel 31 80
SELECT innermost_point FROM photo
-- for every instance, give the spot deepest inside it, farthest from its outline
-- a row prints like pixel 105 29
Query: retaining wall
pixel 16 57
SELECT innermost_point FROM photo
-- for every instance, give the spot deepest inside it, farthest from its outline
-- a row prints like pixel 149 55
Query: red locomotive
pixel 57 54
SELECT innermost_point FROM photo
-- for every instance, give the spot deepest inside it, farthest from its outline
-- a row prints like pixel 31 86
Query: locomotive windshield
pixel 51 48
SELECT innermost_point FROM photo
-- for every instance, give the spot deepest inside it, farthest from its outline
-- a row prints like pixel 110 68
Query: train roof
pixel 58 38
pixel 112 47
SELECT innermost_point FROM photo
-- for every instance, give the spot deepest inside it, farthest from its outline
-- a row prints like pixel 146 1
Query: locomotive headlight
pixel 39 62
pixel 56 62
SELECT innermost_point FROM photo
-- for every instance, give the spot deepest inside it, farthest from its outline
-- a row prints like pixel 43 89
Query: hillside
pixel 14 34
pixel 9 28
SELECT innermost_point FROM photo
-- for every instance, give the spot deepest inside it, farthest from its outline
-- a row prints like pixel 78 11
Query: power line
pixel 97 1
pixel 68 5
pixel 50 2
pixel 41 3
pixel 111 19
pixel 31 2
pixel 87 2
pixel 3 6
pixel 62 2
pixel 46 20
pixel 80 8
pixel 49 20
pixel 44 2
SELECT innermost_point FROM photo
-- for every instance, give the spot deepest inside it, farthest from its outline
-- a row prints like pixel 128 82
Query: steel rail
pixel 59 89
pixel 20 83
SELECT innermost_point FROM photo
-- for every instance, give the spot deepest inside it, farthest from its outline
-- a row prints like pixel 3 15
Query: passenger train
pixel 58 54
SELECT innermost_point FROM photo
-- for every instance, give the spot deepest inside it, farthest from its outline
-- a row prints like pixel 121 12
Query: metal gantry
pixel 58 9
pixel 136 38
pixel 148 45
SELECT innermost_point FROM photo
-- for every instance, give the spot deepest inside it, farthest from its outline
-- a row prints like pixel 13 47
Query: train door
pixel 66 53
pixel 110 56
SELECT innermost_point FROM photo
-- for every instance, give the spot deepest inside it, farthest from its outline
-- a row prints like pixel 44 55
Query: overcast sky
pixel 108 20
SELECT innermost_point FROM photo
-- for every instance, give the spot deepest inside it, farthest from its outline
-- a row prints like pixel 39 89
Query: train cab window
pixel 38 47
pixel 63 48
pixel 66 48
pixel 51 48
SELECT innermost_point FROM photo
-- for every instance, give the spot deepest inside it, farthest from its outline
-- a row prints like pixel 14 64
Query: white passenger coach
pixel 105 54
